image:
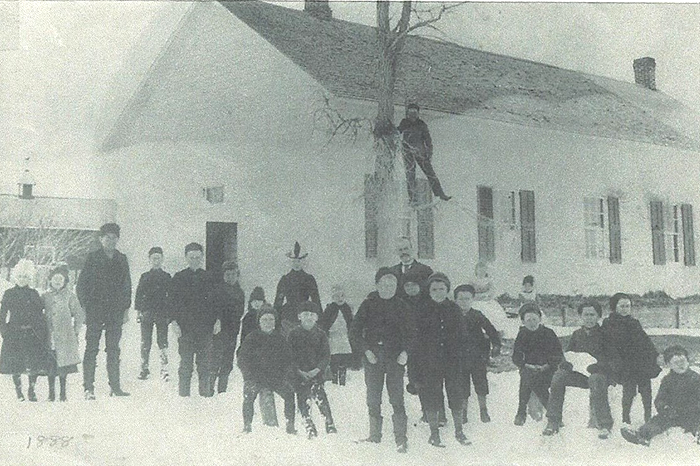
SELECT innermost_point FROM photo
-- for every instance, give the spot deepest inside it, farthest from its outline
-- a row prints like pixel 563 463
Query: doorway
pixel 222 245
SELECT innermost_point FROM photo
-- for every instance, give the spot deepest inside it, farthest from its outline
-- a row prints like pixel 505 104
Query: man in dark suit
pixel 404 248
pixel 104 291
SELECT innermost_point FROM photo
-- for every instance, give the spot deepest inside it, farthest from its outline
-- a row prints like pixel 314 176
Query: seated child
pixel 537 353
pixel 310 358
pixel 481 342
pixel 588 339
pixel 677 402
pixel 336 322
pixel 265 362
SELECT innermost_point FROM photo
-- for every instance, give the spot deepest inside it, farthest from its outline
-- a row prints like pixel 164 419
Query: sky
pixel 57 58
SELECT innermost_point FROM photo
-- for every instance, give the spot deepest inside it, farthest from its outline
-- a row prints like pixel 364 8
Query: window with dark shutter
pixel 485 225
pixel 688 234
pixel 528 246
pixel 425 220
pixel 657 232
pixel 614 230
pixel 371 225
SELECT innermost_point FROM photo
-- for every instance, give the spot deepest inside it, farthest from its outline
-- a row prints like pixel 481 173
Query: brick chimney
pixel 645 72
pixel 318 9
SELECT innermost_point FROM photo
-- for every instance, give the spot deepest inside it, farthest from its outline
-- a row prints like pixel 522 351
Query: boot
pixel 222 385
pixel 433 421
pixel 459 430
pixel 375 430
pixel 184 386
pixel 632 436
pixel 62 382
pixel 164 373
pixel 311 431
pixel 18 387
pixel 483 410
pixel 143 375
pixel 247 428
pixel 400 422
pixel 330 427
pixel 342 375
pixel 519 419
pixel 551 429
pixel 205 385
pixel 52 388
pixel 647 408
pixel 90 394
pixel 118 392
pixel 592 421
pixel 335 376
pixel 30 391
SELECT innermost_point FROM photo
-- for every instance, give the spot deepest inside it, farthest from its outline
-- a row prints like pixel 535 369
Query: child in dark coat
pixel 677 402
pixel 537 353
pixel 336 321
pixel 310 359
pixel 633 355
pixel 477 349
pixel 437 355
pixel 265 362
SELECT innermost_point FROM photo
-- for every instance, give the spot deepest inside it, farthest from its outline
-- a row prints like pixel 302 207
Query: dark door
pixel 222 245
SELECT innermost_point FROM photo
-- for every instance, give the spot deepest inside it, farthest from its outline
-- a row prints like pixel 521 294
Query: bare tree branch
pixel 435 17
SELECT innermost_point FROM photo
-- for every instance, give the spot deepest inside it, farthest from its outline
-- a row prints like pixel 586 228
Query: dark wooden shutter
pixel 688 234
pixel 528 246
pixel 371 225
pixel 614 230
pixel 657 232
pixel 425 221
pixel 485 226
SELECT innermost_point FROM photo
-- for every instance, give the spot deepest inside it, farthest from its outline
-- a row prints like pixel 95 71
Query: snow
pixel 155 426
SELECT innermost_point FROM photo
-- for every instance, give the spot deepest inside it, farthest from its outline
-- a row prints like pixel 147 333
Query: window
pixel 672 234
pixel 528 246
pixel 485 224
pixel 595 221
pixel 214 194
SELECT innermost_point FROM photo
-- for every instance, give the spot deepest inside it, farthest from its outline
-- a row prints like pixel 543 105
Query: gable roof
pixel 341 57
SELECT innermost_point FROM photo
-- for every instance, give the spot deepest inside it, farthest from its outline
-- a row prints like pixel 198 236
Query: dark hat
pixel 381 272
pixel 266 309
pixel 675 350
pixel 529 308
pixel 309 306
pixel 60 269
pixel 592 304
pixel 108 228
pixel 413 105
pixel 296 253
pixel 616 298
pixel 529 279
pixel 155 250
pixel 439 277
pixel 412 276
pixel 258 294
pixel 229 265
pixel 464 288
pixel 193 247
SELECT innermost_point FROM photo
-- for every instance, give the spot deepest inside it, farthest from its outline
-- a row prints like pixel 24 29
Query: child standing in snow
pixel 336 320
pixel 265 362
pixel 64 317
pixel 677 402
pixel 633 355
pixel 477 349
pixel 310 359
pixel 528 293
pixel 537 353
pixel 24 335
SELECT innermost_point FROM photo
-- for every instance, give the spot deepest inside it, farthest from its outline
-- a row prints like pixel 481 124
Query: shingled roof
pixel 446 77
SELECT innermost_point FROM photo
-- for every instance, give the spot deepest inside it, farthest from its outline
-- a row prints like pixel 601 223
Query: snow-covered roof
pixel 445 77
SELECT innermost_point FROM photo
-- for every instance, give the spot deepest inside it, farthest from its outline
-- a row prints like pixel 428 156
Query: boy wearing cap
pixel 381 331
pixel 266 363
pixel 537 353
pixel 677 401
pixel 477 349
pixel 104 292
pixel 232 303
pixel 438 352
pixel 198 318
pixel 310 358
pixel 150 302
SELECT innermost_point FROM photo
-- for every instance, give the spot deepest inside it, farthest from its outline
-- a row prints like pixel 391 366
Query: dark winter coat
pixel 438 347
pixel 249 323
pixel 679 397
pixel 104 287
pixel 633 355
pixel 416 137
pixel 479 337
pixel 295 287
pixel 592 341
pixel 265 359
pixel 231 300
pixel 541 347
pixel 192 301
pixel 310 350
pixel 151 296
pixel 25 335
pixel 331 313
pixel 421 271
pixel 381 323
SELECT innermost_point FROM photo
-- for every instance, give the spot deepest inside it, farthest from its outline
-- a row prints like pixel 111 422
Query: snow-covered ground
pixel 156 427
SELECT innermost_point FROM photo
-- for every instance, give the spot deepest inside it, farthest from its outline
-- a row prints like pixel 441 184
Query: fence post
pixel 678 316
